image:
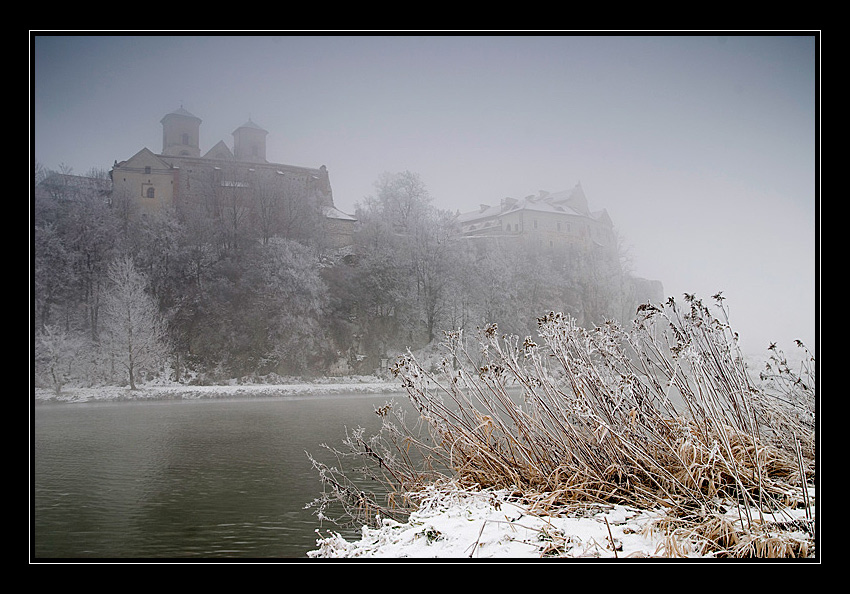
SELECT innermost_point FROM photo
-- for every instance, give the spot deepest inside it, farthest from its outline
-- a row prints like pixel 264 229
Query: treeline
pixel 120 299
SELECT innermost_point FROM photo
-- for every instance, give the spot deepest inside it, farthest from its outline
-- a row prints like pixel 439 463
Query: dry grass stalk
pixel 665 415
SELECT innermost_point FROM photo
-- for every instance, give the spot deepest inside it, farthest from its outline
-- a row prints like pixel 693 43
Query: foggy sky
pixel 702 148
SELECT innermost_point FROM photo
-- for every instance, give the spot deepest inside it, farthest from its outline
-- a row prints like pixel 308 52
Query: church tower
pixel 249 143
pixel 181 134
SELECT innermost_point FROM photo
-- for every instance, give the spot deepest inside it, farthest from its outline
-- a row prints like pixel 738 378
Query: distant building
pixel 548 220
pixel 181 178
pixel 562 225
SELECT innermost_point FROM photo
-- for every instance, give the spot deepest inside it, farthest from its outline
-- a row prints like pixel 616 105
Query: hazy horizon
pixel 702 148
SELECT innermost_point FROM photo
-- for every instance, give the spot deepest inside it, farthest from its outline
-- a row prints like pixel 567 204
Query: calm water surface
pixel 186 479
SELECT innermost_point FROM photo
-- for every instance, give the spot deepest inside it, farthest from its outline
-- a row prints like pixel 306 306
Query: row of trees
pixel 421 277
pixel 119 299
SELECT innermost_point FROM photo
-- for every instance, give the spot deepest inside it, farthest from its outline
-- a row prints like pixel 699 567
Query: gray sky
pixel 701 147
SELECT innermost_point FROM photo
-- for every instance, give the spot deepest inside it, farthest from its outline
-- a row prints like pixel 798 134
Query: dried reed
pixel 664 415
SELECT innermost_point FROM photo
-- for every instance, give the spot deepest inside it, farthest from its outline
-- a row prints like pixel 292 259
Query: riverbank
pixel 324 386
pixel 453 522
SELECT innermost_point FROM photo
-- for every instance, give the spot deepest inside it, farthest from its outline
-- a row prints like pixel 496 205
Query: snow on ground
pixel 485 525
pixel 474 525
pixel 330 386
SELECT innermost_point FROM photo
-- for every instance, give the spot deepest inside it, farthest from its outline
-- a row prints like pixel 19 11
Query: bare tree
pixel 403 199
pixel 408 251
pixel 56 350
pixel 295 299
pixel 137 333
pixel 268 198
pixel 233 196
pixel 52 273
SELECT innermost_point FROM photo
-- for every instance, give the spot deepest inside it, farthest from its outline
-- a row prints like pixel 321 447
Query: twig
pixel 475 544
pixel 803 477
pixel 613 546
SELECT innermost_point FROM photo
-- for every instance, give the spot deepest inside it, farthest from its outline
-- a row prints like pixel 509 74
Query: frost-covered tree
pixel 91 236
pixel 406 253
pixel 52 274
pixel 137 335
pixel 402 199
pixel 435 258
pixel 74 254
pixel 55 352
pixel 283 207
pixel 295 298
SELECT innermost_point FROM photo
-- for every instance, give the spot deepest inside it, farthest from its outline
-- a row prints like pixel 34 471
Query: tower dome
pixel 181 132
pixel 249 143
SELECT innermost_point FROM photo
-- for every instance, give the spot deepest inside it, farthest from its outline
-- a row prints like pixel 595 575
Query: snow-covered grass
pixel 453 522
pixel 660 435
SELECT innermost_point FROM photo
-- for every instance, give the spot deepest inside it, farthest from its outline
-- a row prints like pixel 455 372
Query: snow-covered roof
pixel 332 213
pixel 219 151
pixel 568 202
pixel 146 157
pixel 252 125
pixel 182 112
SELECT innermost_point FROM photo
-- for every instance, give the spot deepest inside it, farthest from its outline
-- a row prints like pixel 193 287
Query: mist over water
pixel 186 480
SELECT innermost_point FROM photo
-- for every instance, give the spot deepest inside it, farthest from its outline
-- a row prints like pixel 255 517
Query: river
pixel 185 480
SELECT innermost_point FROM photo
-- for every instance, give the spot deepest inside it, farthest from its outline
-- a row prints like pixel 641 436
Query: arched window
pixel 150 192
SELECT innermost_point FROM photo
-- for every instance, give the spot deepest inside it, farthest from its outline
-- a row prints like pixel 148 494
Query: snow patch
pixel 459 523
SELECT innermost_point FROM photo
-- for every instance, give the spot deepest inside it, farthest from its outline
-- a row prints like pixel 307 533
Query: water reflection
pixel 185 479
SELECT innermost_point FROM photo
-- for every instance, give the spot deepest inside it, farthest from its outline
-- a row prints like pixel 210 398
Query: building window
pixel 185 138
pixel 559 225
pixel 150 192
pixel 516 227
pixel 147 170
pixel 535 223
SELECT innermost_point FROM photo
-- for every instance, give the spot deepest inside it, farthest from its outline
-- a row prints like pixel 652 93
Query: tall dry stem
pixel 664 414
